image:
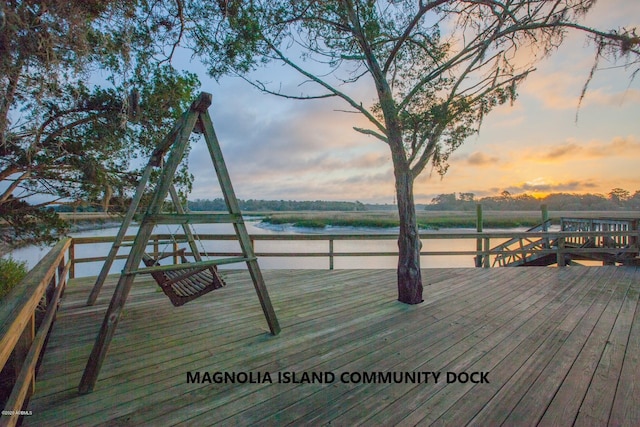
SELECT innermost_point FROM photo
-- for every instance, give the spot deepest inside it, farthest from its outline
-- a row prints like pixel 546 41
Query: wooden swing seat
pixel 184 285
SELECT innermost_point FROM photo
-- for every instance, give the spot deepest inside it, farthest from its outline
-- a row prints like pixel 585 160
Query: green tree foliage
pixel 82 94
pixel 619 196
pixel 634 201
pixel 451 201
pixel 526 202
pixel 438 68
pixel 11 273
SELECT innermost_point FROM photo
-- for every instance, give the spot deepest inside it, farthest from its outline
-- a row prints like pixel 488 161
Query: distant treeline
pixel 617 199
pixel 252 205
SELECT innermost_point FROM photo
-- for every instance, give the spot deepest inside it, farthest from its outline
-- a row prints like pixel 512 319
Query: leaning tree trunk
pixel 409 275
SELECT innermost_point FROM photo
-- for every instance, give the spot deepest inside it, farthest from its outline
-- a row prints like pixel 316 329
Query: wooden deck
pixel 560 346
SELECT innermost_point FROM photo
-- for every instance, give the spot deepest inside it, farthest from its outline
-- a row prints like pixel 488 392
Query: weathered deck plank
pixel 595 358
pixel 537 355
pixel 501 351
pixel 623 350
pixel 514 347
pixel 579 325
pixel 485 354
pixel 428 351
pixel 557 345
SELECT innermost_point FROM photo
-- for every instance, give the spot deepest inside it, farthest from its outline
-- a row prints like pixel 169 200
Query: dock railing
pixel 601 224
pixel 488 252
pixel 26 316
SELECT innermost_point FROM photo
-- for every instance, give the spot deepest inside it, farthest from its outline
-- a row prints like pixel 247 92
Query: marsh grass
pixel 389 219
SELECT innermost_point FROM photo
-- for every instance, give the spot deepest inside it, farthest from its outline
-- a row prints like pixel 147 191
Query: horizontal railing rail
pixel 27 314
pixel 165 243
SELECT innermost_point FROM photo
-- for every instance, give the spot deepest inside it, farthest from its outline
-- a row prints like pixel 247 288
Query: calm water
pixel 33 254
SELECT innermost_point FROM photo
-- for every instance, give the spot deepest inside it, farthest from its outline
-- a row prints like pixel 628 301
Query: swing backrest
pixel 187 284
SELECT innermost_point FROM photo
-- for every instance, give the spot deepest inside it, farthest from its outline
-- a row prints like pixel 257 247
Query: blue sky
pixel 307 150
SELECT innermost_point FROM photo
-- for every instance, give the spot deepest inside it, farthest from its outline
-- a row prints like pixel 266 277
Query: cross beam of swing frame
pixel 192 218
pixel 175 143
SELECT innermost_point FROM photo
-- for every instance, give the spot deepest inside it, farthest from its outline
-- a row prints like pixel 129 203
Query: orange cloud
pixel 481 159
pixel 541 185
pixel 617 147
pixel 560 90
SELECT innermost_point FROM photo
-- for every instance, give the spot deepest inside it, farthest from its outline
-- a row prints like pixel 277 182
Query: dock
pixel 608 240
pixel 549 346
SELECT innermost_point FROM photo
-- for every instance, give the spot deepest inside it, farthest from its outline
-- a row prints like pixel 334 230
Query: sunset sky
pixel 306 150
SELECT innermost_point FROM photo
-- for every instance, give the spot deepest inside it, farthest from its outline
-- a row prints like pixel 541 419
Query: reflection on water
pixel 33 254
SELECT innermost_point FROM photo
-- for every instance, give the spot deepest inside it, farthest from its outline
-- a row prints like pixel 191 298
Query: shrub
pixel 11 273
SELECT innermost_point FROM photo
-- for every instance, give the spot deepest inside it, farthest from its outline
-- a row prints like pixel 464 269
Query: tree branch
pixel 262 88
pixel 16 182
pixel 327 86
pixel 178 40
pixel 373 133
pixel 9 170
pixel 423 9
pixel 71 125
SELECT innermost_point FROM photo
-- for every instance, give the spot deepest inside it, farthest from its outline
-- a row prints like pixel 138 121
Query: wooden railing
pixel 166 243
pixel 600 224
pixel 530 247
pixel 26 316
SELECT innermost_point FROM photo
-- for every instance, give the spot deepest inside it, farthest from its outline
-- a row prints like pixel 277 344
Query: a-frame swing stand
pixel 196 119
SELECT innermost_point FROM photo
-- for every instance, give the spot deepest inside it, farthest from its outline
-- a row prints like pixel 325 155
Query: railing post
pixel 156 246
pixel 175 250
pixel 545 228
pixel 330 253
pixel 61 265
pixel 560 252
pixel 487 250
pixel 61 282
pixel 72 259
pixel 479 223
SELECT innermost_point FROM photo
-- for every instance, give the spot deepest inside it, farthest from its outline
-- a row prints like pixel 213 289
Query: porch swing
pixel 182 286
pixel 180 282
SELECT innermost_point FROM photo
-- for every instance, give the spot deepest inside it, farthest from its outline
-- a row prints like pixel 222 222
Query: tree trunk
pixel 409 275
pixel 8 96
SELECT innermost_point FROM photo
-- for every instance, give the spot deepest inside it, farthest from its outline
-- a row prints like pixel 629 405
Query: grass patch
pixel 437 223
pixel 11 273
pixel 389 219
pixel 321 222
